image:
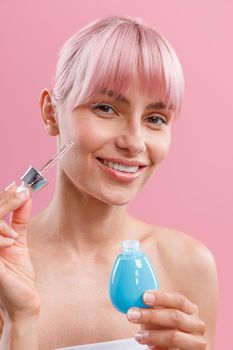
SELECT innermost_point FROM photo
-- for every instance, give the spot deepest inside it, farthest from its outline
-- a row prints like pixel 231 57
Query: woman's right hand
pixel 19 298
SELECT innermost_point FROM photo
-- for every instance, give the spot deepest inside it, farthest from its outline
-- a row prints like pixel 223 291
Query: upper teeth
pixel 128 169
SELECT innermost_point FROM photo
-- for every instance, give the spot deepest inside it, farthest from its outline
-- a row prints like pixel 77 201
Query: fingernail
pixel 139 337
pixel 13 233
pixel 149 298
pixel 23 193
pixel 11 185
pixel 134 314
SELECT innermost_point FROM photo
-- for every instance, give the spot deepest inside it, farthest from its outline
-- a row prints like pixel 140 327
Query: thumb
pixel 21 216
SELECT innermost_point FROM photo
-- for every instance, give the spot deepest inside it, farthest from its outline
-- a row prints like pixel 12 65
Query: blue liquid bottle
pixel 131 276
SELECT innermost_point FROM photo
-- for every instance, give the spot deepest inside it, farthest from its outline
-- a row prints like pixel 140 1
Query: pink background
pixel 192 190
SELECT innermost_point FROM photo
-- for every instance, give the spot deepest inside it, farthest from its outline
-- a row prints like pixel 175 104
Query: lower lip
pixel 120 175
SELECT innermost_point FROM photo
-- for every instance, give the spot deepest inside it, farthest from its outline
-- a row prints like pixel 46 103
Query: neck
pixel 84 223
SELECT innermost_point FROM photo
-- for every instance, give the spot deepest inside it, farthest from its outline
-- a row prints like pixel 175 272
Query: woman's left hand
pixel 172 322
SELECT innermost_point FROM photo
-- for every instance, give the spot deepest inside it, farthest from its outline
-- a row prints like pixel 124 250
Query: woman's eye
pixel 104 108
pixel 156 120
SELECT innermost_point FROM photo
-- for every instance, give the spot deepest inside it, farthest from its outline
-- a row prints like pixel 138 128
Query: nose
pixel 131 140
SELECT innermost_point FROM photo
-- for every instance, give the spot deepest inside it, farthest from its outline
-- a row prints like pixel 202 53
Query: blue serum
pixel 131 276
pixel 33 179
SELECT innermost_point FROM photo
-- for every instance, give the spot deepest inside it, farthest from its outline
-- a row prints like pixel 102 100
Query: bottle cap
pixel 34 179
pixel 130 246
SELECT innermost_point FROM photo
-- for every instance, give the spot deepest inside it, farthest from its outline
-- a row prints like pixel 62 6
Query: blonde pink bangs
pixel 112 53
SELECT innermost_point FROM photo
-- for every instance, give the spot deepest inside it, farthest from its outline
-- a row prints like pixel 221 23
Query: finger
pixel 6 241
pixel 167 318
pixel 20 218
pixel 172 300
pixel 171 339
pixel 7 231
pixel 11 187
pixel 11 201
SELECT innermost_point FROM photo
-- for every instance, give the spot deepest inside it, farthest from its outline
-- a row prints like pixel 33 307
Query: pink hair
pixel 111 53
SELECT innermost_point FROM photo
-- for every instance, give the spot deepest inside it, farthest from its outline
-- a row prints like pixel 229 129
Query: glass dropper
pixel 33 179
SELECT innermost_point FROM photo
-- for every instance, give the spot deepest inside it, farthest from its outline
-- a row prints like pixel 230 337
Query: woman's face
pixel 117 144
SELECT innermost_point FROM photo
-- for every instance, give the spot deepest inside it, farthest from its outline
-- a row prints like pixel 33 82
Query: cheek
pixel 160 148
pixel 90 137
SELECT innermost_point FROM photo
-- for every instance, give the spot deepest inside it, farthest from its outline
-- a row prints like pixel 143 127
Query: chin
pixel 116 196
pixel 116 199
pixel 119 202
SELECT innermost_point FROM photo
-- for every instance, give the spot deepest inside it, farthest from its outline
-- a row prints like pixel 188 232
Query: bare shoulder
pixel 182 248
pixel 191 267
pixel 178 252
pixel 184 255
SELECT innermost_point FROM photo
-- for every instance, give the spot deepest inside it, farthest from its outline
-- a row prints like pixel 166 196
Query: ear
pixel 48 113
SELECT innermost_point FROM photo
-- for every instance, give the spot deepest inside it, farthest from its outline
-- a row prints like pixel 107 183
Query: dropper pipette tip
pixel 57 156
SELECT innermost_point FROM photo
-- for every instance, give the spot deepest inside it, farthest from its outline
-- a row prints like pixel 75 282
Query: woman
pixel 118 89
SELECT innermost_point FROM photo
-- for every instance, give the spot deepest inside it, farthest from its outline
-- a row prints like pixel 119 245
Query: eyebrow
pixel 124 100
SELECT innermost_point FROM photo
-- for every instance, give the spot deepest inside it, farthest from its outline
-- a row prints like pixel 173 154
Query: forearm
pixel 20 335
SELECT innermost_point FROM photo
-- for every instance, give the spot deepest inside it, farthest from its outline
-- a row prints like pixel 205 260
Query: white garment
pixel 122 344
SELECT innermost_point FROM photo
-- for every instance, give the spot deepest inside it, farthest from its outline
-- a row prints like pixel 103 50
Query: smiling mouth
pixel 122 173
pixel 120 167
